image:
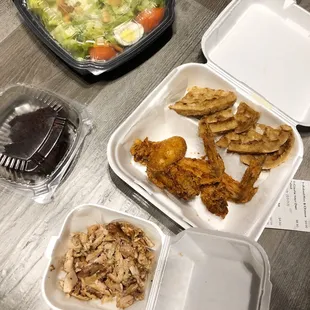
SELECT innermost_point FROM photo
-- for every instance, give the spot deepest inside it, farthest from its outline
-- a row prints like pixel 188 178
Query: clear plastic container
pixel 41 134
pixel 267 67
pixel 97 36
pixel 195 270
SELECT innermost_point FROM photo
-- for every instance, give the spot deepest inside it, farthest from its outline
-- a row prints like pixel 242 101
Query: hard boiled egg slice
pixel 128 33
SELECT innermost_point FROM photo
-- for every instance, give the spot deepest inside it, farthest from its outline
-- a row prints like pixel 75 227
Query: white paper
pixel 293 211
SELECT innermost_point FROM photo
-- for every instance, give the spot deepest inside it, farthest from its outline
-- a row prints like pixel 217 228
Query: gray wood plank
pixel 9 18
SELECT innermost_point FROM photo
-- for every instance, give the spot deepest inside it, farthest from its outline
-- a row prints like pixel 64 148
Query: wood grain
pixel 26 227
pixel 9 18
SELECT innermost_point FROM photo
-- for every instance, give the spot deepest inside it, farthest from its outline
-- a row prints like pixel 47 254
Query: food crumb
pixel 52 268
pixel 181 254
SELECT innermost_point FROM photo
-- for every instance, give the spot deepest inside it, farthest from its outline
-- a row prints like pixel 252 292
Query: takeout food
pixel 261 147
pixel 98 29
pixel 109 261
pixel 204 101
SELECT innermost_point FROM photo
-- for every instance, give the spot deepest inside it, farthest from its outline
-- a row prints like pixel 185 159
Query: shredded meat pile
pixel 109 261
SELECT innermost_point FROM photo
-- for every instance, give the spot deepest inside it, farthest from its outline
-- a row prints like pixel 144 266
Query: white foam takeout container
pixel 197 269
pixel 259 49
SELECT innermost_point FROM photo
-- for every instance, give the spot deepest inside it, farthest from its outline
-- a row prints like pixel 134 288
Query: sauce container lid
pixel 40 136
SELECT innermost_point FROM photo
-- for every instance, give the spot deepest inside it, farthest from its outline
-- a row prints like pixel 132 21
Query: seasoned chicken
pixel 214 198
pixel 159 155
pixel 246 117
pixel 214 158
pixel 141 150
pixel 70 281
pixel 112 260
pixel 260 147
pixel 204 101
pixel 178 181
pixel 243 192
pixel 125 302
pixel 201 169
pixel 184 178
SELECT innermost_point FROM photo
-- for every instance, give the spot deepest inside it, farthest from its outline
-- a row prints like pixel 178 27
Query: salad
pixel 98 29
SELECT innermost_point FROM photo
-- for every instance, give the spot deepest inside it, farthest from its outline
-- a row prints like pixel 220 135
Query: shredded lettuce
pixel 147 4
pixel 37 6
pixel 51 18
pixel 68 37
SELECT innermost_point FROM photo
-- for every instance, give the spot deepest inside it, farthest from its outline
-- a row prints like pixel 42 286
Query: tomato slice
pixel 103 52
pixel 150 18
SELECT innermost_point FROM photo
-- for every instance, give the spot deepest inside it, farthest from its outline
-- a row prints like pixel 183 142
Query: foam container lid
pixel 265 45
pixel 40 136
pixel 197 269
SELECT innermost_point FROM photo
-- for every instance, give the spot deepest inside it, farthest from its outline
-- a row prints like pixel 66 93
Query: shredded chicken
pixel 111 261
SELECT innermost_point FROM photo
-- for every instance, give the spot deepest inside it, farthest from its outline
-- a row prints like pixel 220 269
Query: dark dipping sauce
pixel 40 139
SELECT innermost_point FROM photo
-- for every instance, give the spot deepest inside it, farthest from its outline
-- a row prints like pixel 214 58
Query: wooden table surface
pixel 26 227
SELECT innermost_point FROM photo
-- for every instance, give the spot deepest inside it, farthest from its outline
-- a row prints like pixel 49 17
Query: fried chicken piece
pixel 200 168
pixel 184 178
pixel 233 190
pixel 204 101
pixel 246 117
pixel 141 150
pixel 244 191
pixel 166 152
pixel 214 158
pixel 250 176
pixel 159 155
pixel 214 198
pixel 179 182
pixel 273 159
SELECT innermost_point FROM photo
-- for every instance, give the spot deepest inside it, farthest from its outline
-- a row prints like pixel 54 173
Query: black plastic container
pixel 94 67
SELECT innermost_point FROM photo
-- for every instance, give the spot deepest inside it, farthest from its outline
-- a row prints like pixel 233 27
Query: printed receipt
pixel 293 211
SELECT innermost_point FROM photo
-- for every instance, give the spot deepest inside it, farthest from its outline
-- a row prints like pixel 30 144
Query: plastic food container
pixel 197 269
pixel 78 39
pixel 267 67
pixel 41 135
